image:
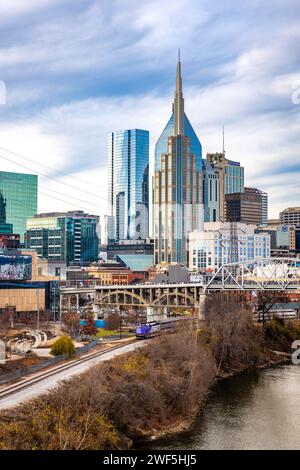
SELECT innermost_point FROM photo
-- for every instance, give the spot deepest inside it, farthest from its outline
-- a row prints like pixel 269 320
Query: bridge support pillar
pixel 201 312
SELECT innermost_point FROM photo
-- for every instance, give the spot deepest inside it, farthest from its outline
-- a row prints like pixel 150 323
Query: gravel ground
pixel 51 382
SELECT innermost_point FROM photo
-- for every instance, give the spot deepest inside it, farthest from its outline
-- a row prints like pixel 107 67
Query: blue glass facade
pixel 20 191
pixel 234 177
pixel 162 143
pixel 128 184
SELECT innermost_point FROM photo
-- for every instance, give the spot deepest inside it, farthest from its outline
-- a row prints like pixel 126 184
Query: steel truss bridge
pixel 267 274
pixel 275 274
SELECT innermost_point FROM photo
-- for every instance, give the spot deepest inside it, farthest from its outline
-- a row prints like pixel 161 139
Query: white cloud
pixel 234 74
pixel 17 7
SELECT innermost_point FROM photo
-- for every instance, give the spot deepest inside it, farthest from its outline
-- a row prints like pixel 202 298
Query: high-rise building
pixel 290 216
pixel 294 239
pixel 211 192
pixel 69 236
pixel 211 247
pixel 8 240
pixel 231 177
pixel 128 184
pixel 21 192
pixel 178 192
pixel 264 208
pixel 4 227
pixel 250 207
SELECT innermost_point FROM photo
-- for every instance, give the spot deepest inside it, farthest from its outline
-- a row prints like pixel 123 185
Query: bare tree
pixel 71 323
pixel 113 320
pixel 232 331
pixel 265 302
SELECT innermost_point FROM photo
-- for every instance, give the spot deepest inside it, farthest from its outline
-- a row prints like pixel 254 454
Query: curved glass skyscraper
pixel 128 184
pixel 178 191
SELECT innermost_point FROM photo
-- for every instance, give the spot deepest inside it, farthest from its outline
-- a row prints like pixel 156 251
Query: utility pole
pixel 223 141
pixel 54 305
pixel 38 307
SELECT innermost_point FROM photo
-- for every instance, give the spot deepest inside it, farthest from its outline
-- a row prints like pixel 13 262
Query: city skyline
pixel 69 83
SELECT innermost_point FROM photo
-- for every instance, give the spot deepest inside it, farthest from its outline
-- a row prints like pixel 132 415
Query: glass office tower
pixel 234 177
pixel 128 184
pixel 20 191
pixel 68 236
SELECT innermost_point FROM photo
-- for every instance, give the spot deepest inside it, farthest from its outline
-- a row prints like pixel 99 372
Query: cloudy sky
pixel 76 69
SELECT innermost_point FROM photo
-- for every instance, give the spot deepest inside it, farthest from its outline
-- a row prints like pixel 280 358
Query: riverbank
pixel 254 410
pixel 271 359
pixel 155 391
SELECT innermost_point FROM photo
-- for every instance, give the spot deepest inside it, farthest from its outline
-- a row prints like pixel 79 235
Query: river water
pixel 253 410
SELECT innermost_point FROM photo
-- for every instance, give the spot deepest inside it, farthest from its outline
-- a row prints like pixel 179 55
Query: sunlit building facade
pixel 178 191
pixel 211 192
pixel 211 247
pixel 231 179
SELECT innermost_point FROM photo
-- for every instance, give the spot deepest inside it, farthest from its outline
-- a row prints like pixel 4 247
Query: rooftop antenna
pixel 179 54
pixel 223 141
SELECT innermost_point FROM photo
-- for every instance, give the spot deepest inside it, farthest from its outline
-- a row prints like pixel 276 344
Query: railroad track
pixel 25 383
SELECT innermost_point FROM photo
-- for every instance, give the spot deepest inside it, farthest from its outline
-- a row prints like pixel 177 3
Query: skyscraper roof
pixel 178 105
pixel 178 124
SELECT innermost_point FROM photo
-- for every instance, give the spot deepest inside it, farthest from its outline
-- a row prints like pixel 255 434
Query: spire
pixel 178 105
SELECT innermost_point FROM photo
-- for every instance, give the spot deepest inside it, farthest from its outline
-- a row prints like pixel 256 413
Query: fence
pixel 10 376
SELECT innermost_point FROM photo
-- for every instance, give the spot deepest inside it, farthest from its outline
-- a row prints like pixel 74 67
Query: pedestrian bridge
pixel 266 274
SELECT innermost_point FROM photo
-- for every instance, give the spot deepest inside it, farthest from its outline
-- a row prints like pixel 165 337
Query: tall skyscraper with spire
pixel 178 190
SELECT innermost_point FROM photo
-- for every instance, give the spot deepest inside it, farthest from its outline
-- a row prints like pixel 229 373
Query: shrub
pixel 283 334
pixel 63 346
pixel 71 324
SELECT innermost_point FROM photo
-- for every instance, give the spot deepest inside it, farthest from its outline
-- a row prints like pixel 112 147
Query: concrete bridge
pixel 151 295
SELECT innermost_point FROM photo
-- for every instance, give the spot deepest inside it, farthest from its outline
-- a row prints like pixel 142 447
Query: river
pixel 253 410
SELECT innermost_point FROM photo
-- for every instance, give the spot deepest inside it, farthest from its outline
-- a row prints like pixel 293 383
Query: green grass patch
pixel 102 333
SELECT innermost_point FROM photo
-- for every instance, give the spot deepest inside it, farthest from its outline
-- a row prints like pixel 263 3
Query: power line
pixel 53 179
pixel 62 200
pixel 18 203
pixel 73 197
pixel 41 164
